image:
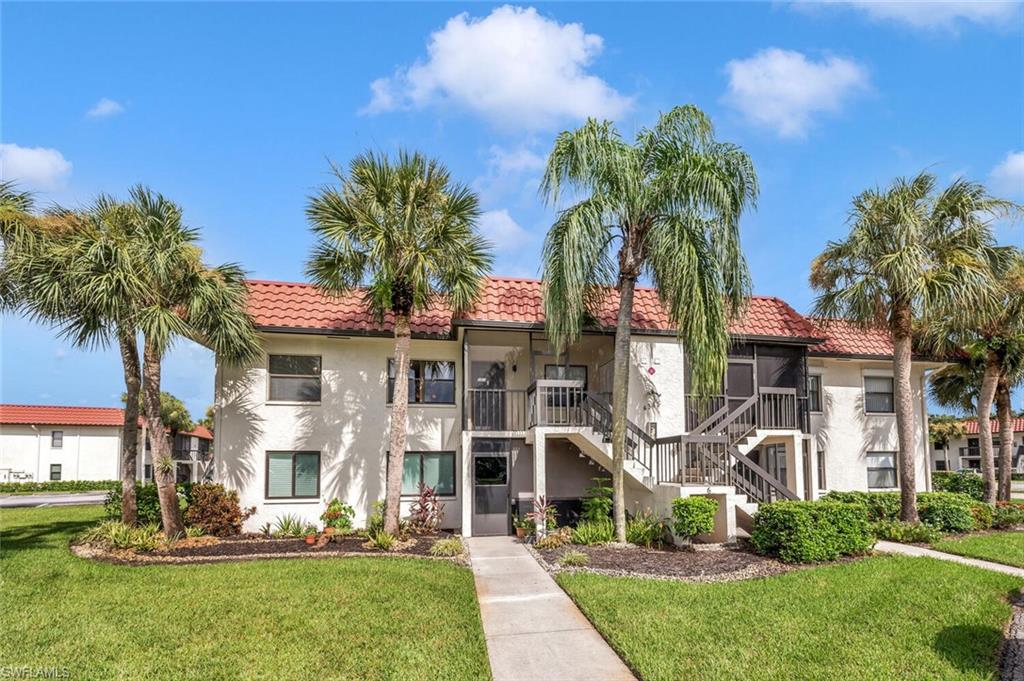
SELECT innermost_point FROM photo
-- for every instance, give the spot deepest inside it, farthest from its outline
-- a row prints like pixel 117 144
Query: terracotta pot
pixel 310 539
pixel 329 531
pixel 520 532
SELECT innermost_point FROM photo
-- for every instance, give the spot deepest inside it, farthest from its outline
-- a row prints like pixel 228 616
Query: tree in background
pixel 667 207
pixel 208 418
pixel 912 254
pixel 943 429
pixel 173 413
pixel 407 231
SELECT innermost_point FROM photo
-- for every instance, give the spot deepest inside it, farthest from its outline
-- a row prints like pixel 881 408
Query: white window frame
pixel 895 468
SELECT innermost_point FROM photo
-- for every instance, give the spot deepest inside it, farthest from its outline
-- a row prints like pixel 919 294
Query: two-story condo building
pixel 965 453
pixel 497 419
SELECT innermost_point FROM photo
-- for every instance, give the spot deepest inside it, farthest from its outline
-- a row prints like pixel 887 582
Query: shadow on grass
pixel 971 648
pixel 40 536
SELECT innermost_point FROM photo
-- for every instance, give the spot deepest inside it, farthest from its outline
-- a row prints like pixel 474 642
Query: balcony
pixel 775 409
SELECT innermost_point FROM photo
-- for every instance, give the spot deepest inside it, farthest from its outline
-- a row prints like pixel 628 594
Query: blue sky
pixel 234 109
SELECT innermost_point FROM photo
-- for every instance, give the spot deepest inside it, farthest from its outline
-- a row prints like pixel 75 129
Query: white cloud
pixel 924 14
pixel 38 168
pixel 514 67
pixel 498 227
pixel 1008 176
pixel 510 171
pixel 105 108
pixel 784 90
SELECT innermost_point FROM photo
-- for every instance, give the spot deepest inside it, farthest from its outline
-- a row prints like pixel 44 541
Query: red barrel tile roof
pixel 46 415
pixel 971 426
pixel 843 337
pixel 286 305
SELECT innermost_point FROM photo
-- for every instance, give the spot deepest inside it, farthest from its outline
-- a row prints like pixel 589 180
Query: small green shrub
pixel 970 484
pixel 589 532
pixel 811 531
pixel 552 540
pixel 573 559
pixel 879 505
pixel 375 523
pixel 216 510
pixel 147 501
pixel 379 539
pixel 192 531
pixel 597 505
pixel 448 547
pixel 693 515
pixel 984 515
pixel 946 511
pixel 59 486
pixel 644 529
pixel 289 525
pixel 338 515
pixel 113 534
pixel 1008 514
pixel 905 533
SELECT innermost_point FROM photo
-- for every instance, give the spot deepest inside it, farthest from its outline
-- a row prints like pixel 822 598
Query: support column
pixel 540 470
pixel 467 484
pixel 796 480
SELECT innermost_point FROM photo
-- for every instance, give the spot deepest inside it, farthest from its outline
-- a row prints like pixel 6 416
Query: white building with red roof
pixel 965 453
pixel 51 443
pixel 497 419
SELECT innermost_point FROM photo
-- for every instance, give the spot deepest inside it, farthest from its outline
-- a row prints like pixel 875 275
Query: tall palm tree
pixel 912 253
pixel 74 270
pixel 407 231
pixel 667 207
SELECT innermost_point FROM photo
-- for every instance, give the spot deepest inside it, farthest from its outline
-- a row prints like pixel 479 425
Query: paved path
pixel 908 550
pixel 533 630
pixel 51 499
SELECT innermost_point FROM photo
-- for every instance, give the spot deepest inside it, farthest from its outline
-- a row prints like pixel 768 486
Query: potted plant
pixel 524 526
pixel 310 533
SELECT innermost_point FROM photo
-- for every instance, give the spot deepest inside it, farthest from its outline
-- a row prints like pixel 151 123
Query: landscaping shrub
pixel 552 540
pixel 693 515
pixel 590 532
pixel 191 532
pixel 1008 514
pixel 426 512
pixel 879 505
pixel 905 533
pixel 59 486
pixel 448 547
pixel 811 531
pixel 379 539
pixel 113 534
pixel 147 501
pixel 289 525
pixel 984 515
pixel 339 516
pixel 573 559
pixel 946 511
pixel 597 505
pixel 216 510
pixel 644 529
pixel 970 484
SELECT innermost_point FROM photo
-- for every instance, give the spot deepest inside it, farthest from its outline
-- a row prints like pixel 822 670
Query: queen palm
pixel 407 231
pixel 913 254
pixel 666 207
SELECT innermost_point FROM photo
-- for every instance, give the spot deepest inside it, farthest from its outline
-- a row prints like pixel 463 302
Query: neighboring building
pixel 965 453
pixel 43 443
pixel 497 419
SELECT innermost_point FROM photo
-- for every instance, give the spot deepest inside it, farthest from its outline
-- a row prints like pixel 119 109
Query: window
pixel 293 475
pixel 294 378
pixel 822 483
pixel 430 382
pixel 433 469
pixel 57 439
pixel 54 471
pixel 878 397
pixel 940 465
pixel 881 470
pixel 561 372
pixel 814 392
pixel 147 472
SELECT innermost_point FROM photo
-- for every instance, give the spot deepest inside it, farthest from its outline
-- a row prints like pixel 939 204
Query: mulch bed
pixel 252 547
pixel 684 564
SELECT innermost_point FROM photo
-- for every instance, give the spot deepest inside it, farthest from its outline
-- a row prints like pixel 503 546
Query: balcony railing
pixel 496 409
pixel 776 409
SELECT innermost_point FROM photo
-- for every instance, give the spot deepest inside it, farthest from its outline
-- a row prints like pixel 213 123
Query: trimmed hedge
pixel 945 511
pixel 59 486
pixel 693 515
pixel 811 531
pixel 879 505
pixel 970 484
pixel 147 500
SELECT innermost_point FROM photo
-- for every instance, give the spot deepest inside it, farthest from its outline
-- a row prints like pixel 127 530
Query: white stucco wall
pixel 349 427
pixel 952 452
pixel 658 368
pixel 847 433
pixel 88 452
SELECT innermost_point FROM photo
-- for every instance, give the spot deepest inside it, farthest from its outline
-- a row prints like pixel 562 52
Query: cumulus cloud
pixel 933 15
pixel 1007 177
pixel 513 67
pixel 38 168
pixel 510 171
pixel 783 90
pixel 498 227
pixel 105 108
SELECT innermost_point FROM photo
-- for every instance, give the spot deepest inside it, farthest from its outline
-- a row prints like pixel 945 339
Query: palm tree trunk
pixel 399 425
pixel 130 443
pixel 989 383
pixel 620 401
pixel 163 464
pixel 903 396
pixel 1004 412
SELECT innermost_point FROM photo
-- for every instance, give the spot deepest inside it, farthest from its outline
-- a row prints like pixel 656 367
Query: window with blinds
pixel 293 475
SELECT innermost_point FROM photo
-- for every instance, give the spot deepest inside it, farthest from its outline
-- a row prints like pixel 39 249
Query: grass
pixel 355 618
pixel 881 617
pixel 999 547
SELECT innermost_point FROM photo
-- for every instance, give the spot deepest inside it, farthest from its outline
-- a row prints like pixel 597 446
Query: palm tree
pixel 911 254
pixel 74 270
pixel 666 207
pixel 406 230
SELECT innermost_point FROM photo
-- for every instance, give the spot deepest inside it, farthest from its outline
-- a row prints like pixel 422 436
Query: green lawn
pixel 355 618
pixel 999 547
pixel 884 617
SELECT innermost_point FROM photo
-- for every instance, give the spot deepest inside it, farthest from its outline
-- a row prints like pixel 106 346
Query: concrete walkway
pixel 908 550
pixel 533 630
pixel 51 499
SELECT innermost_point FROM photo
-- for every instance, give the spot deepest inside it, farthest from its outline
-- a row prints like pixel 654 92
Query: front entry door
pixel 488 403
pixel 490 487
